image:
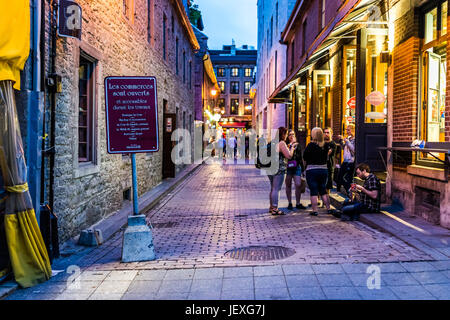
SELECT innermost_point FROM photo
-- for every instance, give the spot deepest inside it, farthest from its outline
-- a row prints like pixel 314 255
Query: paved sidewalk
pixel 221 208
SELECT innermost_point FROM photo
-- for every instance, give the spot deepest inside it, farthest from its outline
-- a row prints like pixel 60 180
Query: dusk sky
pixel 225 20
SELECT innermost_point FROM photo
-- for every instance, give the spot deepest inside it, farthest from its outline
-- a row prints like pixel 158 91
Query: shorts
pixel 317 181
pixel 294 171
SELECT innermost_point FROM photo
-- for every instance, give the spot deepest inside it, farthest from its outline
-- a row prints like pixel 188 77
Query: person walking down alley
pixel 277 179
pixel 347 169
pixel 365 198
pixel 295 167
pixel 316 157
pixel 328 137
pixel 232 144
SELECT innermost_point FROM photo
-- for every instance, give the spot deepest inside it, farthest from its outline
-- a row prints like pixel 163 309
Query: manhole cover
pixel 164 224
pixel 260 253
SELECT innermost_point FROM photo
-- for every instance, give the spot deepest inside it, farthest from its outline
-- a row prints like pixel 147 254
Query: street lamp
pixel 213 92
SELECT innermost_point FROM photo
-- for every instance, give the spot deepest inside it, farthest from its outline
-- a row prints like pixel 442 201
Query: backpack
pixel 267 149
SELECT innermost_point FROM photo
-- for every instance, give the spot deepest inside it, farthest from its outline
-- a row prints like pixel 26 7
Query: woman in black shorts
pixel 316 156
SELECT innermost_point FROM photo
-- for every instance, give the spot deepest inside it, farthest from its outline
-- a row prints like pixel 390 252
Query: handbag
pixel 292 164
pixel 302 185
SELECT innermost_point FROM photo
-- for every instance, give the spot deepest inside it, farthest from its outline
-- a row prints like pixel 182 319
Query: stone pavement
pixel 221 208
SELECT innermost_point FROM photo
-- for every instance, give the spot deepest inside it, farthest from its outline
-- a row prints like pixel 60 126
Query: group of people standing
pixel 316 165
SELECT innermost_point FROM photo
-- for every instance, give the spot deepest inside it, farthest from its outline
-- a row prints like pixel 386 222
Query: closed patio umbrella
pixel 27 253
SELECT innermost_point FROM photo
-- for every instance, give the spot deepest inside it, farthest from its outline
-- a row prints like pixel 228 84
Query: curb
pixel 7 288
pixel 411 241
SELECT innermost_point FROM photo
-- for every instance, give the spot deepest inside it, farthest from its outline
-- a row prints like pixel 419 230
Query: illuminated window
pixel 247 85
pixel 220 72
pixel 234 107
pixel 434 74
pixel 235 72
pixel 221 85
pixel 248 72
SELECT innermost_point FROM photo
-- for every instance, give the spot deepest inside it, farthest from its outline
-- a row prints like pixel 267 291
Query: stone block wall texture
pixel 86 193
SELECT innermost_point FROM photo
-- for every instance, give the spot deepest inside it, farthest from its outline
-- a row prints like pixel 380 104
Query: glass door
pixel 371 91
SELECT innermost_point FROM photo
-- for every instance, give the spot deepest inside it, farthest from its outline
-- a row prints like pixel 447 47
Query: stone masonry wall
pixel 86 193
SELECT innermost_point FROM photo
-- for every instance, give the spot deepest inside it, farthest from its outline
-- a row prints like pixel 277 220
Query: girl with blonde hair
pixel 316 157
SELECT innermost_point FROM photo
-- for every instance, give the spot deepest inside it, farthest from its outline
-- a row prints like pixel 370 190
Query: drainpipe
pixel 51 150
pixel 35 110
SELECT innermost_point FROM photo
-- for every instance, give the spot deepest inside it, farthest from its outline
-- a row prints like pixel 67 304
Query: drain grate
pixel 161 225
pixel 260 253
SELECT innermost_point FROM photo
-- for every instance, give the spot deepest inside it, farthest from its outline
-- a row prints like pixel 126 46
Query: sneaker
pixel 313 213
pixel 300 206
pixel 290 207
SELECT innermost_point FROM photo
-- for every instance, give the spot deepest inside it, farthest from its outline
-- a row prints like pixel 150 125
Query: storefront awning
pixel 345 23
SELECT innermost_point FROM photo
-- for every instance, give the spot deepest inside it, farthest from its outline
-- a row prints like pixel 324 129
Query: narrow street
pixel 221 208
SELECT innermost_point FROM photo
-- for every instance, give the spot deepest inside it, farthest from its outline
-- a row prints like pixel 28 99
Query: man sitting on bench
pixel 365 198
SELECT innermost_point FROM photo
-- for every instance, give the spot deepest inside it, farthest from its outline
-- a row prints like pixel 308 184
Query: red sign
pixel 376 98
pixel 232 124
pixel 352 102
pixel 131 114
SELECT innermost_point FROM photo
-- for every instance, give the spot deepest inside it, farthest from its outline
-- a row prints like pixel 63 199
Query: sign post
pixel 132 127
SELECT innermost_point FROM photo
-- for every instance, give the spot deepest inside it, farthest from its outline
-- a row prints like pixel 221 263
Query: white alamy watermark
pixel 213 146
pixel 374 280
pixel 73 282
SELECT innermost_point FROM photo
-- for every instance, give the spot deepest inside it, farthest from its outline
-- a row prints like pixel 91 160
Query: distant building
pixel 235 70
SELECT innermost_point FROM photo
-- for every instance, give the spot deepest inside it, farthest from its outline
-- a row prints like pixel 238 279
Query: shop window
pixel 433 75
pixel 349 86
pixel 301 105
pixel 322 98
pixel 86 114
pixel 248 106
pixel 376 78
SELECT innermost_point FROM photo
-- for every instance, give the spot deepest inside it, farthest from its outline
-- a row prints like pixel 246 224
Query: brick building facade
pixel 382 66
pixel 119 38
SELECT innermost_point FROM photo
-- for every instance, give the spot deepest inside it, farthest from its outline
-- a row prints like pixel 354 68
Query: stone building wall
pixel 86 193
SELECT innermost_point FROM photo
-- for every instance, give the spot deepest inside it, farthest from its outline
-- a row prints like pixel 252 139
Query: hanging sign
pixel 376 98
pixel 131 114
pixel 352 102
pixel 69 19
